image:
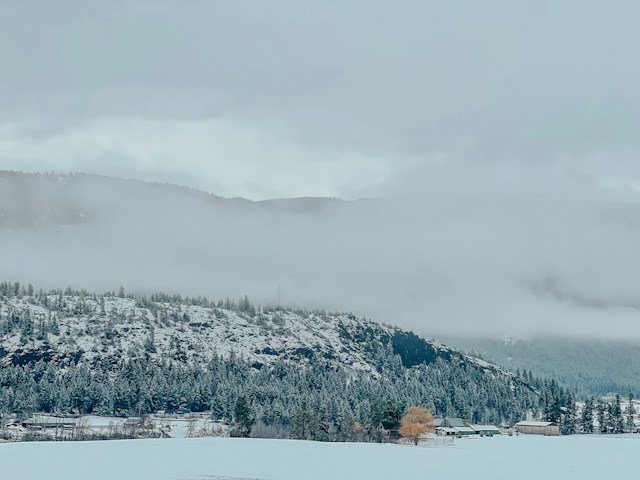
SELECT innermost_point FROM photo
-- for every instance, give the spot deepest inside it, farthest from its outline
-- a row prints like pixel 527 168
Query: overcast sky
pixel 513 127
pixel 360 98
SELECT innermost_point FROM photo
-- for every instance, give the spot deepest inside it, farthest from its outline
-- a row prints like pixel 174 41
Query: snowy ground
pixel 522 457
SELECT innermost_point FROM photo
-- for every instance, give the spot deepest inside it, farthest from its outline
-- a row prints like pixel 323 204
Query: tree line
pixel 319 402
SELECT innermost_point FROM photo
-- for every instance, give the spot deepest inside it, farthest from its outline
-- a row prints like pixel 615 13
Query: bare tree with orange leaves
pixel 416 422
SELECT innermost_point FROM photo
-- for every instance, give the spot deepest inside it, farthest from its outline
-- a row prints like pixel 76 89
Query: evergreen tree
pixel 616 415
pixel 553 413
pixel 586 418
pixel 601 413
pixel 345 425
pixel 630 412
pixel 27 327
pixel 569 417
pixel 150 343
pixel 301 423
pixel 322 426
pixel 387 414
pixel 242 417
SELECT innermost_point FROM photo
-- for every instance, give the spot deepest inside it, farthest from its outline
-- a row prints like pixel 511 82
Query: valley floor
pixel 521 457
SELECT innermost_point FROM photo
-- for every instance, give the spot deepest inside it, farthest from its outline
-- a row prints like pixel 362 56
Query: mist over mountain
pixel 500 266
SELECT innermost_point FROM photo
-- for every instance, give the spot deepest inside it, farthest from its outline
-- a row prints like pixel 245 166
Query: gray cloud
pixel 500 264
pixel 503 136
pixel 307 88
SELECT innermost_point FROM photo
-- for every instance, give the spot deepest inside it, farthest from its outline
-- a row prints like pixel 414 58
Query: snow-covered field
pixel 523 457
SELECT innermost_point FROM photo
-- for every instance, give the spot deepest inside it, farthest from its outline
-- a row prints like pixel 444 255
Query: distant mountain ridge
pixel 37 199
pixel 178 237
pixel 586 366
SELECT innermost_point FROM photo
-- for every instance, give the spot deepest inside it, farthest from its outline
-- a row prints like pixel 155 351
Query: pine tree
pixel 553 412
pixel 601 413
pixel 345 425
pixel 569 417
pixel 586 418
pixel 150 343
pixel 616 415
pixel 301 424
pixel 321 433
pixel 630 412
pixel 387 414
pixel 54 328
pixel 42 329
pixel 242 417
pixel 27 327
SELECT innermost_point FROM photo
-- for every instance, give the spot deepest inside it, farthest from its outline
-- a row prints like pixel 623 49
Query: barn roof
pixel 484 428
pixel 464 429
pixel 49 420
pixel 455 422
pixel 535 424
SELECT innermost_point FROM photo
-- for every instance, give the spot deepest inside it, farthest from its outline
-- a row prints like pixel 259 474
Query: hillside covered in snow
pixel 77 327
pixel 114 354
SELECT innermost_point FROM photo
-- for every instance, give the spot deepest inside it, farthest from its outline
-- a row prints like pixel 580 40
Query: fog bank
pixel 499 265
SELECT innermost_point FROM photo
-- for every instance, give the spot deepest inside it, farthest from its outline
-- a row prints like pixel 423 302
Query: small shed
pixel 538 428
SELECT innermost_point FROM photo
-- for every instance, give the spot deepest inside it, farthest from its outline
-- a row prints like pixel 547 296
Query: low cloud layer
pixel 499 265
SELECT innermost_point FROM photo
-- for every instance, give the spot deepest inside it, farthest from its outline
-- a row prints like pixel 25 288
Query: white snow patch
pixel 523 457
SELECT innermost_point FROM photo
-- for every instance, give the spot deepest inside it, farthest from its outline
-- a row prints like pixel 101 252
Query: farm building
pixel 486 429
pixel 464 431
pixel 450 422
pixel 41 422
pixel 538 428
pixel 459 427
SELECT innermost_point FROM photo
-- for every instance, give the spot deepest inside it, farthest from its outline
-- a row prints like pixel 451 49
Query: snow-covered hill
pixel 76 352
pixel 81 328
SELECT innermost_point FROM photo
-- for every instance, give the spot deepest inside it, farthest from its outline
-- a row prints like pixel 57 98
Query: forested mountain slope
pixel 587 366
pixel 120 355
